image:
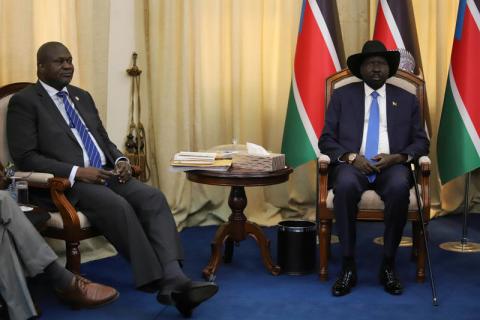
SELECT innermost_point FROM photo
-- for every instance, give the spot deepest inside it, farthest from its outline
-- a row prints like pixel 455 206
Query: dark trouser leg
pixel 348 186
pixel 137 220
pixel 155 216
pixel 393 186
pixel 115 218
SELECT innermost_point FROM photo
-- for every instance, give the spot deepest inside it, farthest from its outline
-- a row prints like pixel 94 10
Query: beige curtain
pixel 82 25
pixel 220 70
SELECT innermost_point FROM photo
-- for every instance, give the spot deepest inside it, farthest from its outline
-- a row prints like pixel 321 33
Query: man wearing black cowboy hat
pixel 372 129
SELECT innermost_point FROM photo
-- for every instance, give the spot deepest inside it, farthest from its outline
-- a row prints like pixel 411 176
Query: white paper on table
pixel 255 149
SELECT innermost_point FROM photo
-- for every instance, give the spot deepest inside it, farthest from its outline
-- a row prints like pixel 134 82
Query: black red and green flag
pixel 395 27
pixel 319 53
pixel 458 143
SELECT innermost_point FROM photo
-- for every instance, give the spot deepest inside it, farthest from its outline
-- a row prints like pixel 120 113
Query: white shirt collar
pixel 381 91
pixel 52 92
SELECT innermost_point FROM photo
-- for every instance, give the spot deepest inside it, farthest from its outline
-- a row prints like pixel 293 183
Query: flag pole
pixel 463 245
pixel 466 201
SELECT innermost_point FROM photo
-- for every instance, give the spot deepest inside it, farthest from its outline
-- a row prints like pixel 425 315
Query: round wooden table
pixel 238 227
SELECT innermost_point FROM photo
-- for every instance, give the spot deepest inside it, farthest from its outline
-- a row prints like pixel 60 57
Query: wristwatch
pixel 351 157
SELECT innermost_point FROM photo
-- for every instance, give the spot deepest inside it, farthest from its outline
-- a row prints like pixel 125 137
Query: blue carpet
pixel 248 291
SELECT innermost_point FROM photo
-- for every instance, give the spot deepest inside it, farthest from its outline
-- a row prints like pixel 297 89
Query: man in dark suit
pixel 25 253
pixel 55 127
pixel 372 129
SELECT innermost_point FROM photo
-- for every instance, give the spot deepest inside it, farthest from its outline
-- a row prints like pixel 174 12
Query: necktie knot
pixel 374 94
pixel 62 94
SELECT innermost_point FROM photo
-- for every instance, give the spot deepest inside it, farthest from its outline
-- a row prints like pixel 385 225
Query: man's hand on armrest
pixel 93 175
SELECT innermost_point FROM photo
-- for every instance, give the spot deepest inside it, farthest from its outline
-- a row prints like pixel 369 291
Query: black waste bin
pixel 296 246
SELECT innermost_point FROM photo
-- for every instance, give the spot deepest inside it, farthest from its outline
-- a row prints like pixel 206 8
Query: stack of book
pixel 186 160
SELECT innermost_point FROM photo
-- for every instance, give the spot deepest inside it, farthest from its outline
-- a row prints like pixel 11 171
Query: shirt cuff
pixel 122 159
pixel 73 173
pixel 340 157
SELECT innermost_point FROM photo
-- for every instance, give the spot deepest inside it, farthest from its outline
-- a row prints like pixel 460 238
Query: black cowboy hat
pixel 373 48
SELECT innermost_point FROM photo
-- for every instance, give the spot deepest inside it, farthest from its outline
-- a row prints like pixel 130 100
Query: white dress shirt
pixel 52 92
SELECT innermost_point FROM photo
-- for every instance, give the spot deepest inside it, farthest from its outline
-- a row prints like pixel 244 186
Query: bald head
pixel 46 50
pixel 54 64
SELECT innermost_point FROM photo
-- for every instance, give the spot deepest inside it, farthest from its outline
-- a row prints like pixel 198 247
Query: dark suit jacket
pixel 343 129
pixel 40 138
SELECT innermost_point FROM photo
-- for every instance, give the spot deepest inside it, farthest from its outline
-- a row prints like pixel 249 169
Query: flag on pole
pixel 395 27
pixel 458 144
pixel 319 53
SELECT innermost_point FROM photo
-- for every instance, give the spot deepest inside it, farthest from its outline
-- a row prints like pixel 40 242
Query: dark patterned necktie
pixel 90 147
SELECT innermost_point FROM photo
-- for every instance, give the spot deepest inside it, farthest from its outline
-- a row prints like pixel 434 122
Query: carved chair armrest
pixel 323 163
pixel 322 180
pixel 57 187
pixel 424 164
pixel 71 222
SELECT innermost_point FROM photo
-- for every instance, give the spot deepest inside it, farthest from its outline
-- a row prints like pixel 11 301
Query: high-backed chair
pixel 370 207
pixel 66 223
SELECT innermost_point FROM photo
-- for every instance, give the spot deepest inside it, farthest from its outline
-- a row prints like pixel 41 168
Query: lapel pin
pixel 394 103
pixel 78 99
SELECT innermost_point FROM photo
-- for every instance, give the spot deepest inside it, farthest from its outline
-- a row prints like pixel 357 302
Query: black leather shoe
pixel 345 282
pixel 390 281
pixel 188 296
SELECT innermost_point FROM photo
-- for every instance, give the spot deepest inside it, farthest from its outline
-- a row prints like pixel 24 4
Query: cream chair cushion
pixel 371 201
pixel 57 222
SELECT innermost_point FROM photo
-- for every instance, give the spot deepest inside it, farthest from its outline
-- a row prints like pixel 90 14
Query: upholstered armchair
pixel 371 206
pixel 66 223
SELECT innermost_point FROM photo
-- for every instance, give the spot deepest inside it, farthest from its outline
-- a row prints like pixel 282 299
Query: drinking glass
pixel 21 188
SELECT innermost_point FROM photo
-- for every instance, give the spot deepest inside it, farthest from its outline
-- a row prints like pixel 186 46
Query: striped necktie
pixel 76 122
pixel 371 146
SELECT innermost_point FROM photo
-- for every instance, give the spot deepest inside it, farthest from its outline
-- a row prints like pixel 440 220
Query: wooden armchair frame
pixel 325 215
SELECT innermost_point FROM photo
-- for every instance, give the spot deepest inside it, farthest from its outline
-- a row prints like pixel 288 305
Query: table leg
pixel 236 230
pixel 237 201
pixel 220 236
pixel 257 233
